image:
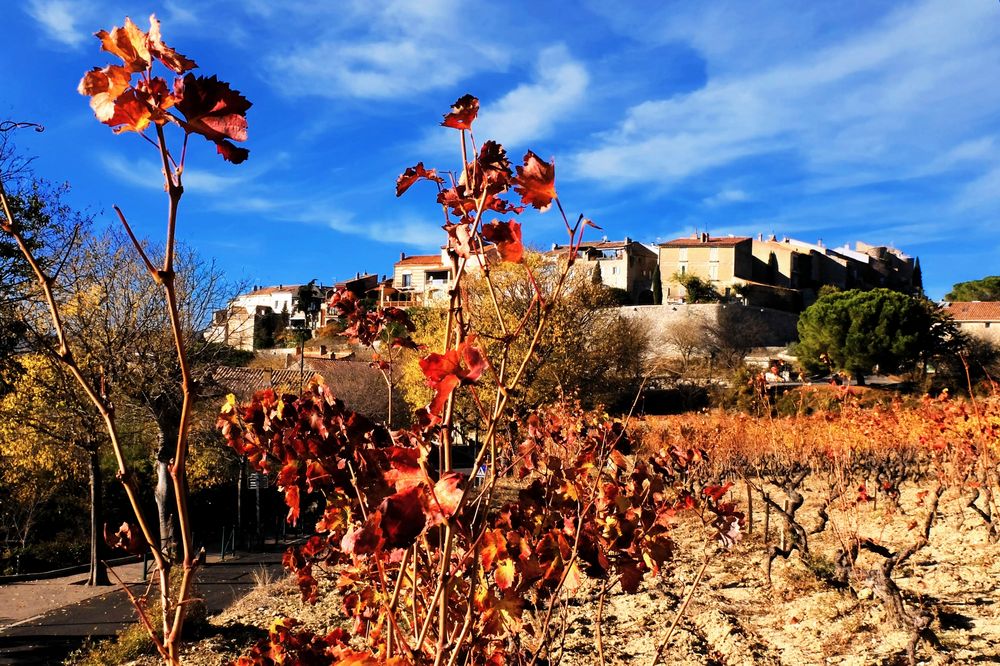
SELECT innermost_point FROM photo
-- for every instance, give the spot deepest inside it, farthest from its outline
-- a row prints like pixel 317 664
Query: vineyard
pixel 864 532
pixel 865 535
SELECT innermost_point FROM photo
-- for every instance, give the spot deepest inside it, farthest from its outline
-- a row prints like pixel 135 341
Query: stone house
pixel 978 318
pixel 235 325
pixel 725 262
pixel 627 265
pixel 424 279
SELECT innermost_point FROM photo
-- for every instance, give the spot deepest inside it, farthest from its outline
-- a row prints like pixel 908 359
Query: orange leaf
pixel 504 574
pixel 463 112
pixel 169 57
pixel 535 182
pixel 131 113
pixel 104 86
pixel 128 43
pixel 445 496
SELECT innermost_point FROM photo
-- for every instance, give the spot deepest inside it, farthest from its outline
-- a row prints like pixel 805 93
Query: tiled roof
pixel 292 288
pixel 728 241
pixel 244 382
pixel 421 260
pixel 974 310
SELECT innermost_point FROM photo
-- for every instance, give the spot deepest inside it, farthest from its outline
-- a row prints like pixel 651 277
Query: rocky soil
pixel 737 618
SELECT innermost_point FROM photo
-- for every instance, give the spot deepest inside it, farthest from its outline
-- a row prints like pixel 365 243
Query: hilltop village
pixel 776 277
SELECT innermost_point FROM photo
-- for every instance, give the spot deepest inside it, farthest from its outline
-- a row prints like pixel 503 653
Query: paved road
pixel 49 638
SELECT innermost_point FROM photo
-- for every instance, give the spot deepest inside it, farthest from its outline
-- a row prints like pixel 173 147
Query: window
pixel 277 305
pixel 682 254
pixel 713 272
pixel 614 270
pixel 713 254
pixel 684 269
pixel 407 279
pixel 986 325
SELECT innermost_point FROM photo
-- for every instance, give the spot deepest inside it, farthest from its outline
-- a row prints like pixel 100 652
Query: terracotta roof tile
pixel 974 310
pixel 421 260
pixel 711 242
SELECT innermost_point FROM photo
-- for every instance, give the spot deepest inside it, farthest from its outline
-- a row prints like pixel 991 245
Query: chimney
pixel 820 242
pixel 357 275
pixel 555 246
pixel 695 236
pixel 760 236
pixel 772 238
pixel 402 255
pixel 704 237
pixel 627 240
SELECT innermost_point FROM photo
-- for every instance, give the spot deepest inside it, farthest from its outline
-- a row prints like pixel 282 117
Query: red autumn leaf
pixel 288 475
pixel 492 171
pixel 463 112
pixel 716 492
pixel 444 372
pixel 413 174
pixel 292 500
pixel 507 236
pixel 365 538
pixel 444 498
pixel 103 86
pixel 504 574
pixel 128 43
pixel 535 182
pixel 128 538
pixel 457 200
pixel 459 238
pixel 402 517
pixel 442 391
pixel 169 57
pixel 405 467
pixel 214 110
pixel 494 546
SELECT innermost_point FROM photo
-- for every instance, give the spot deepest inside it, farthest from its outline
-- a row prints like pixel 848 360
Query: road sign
pixel 257 481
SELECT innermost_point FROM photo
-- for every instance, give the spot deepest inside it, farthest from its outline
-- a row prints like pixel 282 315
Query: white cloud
pixel 382 50
pixel 60 19
pixel 148 174
pixel 981 193
pixel 533 110
pixel 886 101
pixel 726 197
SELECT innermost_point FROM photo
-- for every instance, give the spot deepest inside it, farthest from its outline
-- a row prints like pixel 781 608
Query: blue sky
pixel 839 121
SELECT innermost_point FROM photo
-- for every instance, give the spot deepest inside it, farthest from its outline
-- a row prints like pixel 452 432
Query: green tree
pixel 863 331
pixel 985 289
pixel 657 287
pixel 697 290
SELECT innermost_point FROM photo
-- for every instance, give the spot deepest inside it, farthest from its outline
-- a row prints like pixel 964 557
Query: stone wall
pixel 766 327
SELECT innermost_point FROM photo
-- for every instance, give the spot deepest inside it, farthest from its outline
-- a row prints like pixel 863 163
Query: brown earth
pixel 735 617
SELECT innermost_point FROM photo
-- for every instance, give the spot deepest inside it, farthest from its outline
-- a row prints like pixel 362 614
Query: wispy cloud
pixel 61 20
pixel 534 109
pixel 857 104
pixel 383 50
pixel 726 197
pixel 147 174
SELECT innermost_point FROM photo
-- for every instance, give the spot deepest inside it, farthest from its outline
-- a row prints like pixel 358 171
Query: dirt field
pixel 735 617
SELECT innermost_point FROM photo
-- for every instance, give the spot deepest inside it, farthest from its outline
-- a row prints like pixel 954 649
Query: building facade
pixel 725 263
pixel 627 265
pixel 977 318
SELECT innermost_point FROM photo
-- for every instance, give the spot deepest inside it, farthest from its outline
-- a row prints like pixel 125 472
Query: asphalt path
pixel 52 636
